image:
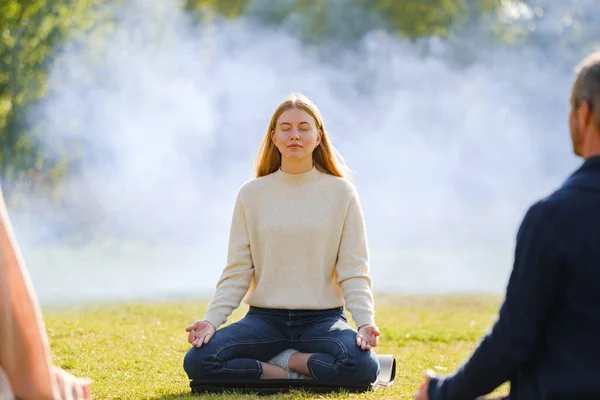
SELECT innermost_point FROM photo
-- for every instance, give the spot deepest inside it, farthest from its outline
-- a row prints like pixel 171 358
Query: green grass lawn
pixel 135 350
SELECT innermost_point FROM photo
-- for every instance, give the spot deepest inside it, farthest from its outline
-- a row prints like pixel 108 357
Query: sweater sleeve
pixel 235 279
pixel 353 266
pixel 532 290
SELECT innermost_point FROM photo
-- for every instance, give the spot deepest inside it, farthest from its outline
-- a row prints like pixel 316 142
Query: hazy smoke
pixel 164 119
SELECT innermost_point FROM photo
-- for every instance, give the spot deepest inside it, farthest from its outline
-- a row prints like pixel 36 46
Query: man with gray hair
pixel 546 339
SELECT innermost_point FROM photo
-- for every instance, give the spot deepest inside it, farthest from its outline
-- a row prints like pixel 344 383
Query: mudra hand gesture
pixel 367 337
pixel 200 332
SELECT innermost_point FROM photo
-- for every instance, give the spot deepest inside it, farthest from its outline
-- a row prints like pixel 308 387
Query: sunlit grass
pixel 135 350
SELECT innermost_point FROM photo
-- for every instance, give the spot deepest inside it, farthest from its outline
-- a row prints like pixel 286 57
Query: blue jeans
pixel 238 350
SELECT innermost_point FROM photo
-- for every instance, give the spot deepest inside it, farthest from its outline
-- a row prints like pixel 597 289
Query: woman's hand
pixel 200 332
pixel 367 337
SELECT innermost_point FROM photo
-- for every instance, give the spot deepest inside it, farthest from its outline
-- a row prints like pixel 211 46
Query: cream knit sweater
pixel 297 241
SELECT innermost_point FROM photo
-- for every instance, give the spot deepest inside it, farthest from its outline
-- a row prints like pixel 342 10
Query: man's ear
pixel 585 114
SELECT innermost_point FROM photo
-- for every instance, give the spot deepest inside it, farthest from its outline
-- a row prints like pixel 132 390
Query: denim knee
pixel 361 366
pixel 197 363
pixel 368 366
pixel 355 365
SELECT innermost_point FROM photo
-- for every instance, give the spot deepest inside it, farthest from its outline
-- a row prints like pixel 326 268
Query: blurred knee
pixel 198 363
pixel 362 366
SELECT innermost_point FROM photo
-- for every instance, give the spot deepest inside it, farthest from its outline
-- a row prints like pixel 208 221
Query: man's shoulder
pixel 540 210
pixel 548 205
pixel 553 210
pixel 560 200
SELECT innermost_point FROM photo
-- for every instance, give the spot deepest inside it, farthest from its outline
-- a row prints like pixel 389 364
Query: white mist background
pixel 168 118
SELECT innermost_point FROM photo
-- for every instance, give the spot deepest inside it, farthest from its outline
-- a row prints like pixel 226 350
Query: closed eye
pixel 286 126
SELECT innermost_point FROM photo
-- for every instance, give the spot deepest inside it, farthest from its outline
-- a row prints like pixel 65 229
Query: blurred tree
pixel 229 9
pixel 568 28
pixel 32 30
pixel 29 32
pixel 414 19
pixel 347 20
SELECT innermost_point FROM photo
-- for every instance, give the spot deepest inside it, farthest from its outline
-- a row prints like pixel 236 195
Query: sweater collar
pixel 297 179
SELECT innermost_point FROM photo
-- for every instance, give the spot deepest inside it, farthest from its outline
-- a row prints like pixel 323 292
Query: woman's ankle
pixel 298 363
pixel 270 371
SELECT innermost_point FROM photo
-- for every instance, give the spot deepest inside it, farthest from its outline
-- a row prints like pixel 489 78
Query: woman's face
pixel 296 134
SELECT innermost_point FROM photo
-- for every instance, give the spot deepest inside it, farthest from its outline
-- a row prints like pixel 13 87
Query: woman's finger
pixel 372 340
pixel 207 338
pixel 200 341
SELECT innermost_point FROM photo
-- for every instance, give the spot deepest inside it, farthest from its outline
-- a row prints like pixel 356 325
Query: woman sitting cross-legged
pixel 298 252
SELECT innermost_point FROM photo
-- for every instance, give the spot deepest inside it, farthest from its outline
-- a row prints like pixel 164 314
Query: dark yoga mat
pixel 386 377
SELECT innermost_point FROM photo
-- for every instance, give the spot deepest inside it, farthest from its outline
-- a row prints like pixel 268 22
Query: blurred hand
pixel 200 332
pixel 367 337
pixel 421 393
pixel 71 387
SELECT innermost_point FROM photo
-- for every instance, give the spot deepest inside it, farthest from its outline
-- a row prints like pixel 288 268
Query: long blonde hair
pixel 325 157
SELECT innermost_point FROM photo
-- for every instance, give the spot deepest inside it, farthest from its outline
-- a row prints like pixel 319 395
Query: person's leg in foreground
pixel 25 359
